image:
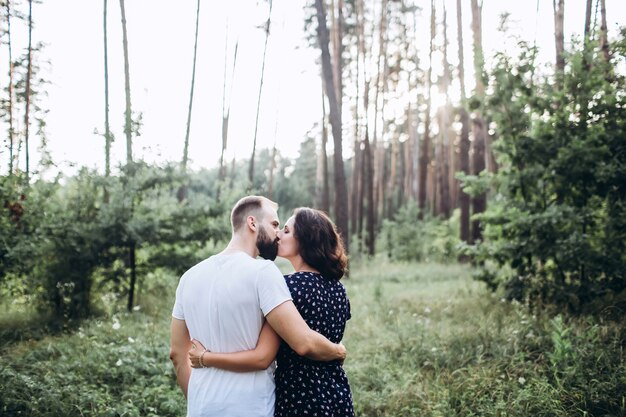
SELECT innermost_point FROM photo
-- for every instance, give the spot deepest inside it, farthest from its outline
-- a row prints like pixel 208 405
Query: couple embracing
pixel 235 314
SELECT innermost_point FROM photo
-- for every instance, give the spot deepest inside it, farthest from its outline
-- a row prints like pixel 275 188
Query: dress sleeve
pixel 271 288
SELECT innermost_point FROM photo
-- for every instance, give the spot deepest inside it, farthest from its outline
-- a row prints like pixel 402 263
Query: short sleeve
pixel 177 311
pixel 271 288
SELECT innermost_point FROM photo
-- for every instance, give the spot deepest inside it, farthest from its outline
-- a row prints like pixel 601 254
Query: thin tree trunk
pixel 322 190
pixel 133 276
pixel 464 143
pixel 107 127
pixel 128 129
pixel 604 40
pixel 588 21
pixel 10 89
pixel 464 198
pixel 367 185
pixel 425 145
pixel 182 191
pixel 378 149
pixel 478 125
pixel 559 37
pixel 193 82
pixel 357 161
pixel 226 109
pixel 29 75
pixel 270 187
pixel 444 126
pixel 337 37
pixel 258 103
pixel 341 198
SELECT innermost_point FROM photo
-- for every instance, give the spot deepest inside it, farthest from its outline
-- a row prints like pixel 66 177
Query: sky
pixel 161 40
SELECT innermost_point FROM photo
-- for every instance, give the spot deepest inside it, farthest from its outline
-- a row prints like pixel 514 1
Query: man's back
pixel 223 301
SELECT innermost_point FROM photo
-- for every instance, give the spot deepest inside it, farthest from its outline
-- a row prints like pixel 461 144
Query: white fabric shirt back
pixel 223 301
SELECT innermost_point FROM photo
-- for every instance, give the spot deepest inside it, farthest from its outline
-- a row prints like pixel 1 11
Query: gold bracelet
pixel 201 355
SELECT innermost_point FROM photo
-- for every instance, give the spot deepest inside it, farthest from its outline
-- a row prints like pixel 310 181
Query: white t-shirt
pixel 223 301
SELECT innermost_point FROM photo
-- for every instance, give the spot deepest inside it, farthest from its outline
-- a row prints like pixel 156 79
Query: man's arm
pixel 256 359
pixel 291 327
pixel 179 346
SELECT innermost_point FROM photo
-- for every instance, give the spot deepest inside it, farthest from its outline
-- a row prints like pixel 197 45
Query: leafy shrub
pixel 558 219
pixel 408 239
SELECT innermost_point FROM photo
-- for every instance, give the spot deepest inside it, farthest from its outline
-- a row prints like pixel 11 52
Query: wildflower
pixel 136 308
pixel 521 380
pixel 390 312
pixel 433 349
pixel 131 340
pixel 116 325
pixel 118 363
pixel 426 310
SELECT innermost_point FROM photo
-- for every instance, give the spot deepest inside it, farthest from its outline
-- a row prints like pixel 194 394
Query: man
pixel 222 302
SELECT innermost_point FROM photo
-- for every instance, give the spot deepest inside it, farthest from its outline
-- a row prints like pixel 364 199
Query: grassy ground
pixel 424 340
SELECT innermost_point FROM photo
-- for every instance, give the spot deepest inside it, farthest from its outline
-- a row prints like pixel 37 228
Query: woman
pixel 311 243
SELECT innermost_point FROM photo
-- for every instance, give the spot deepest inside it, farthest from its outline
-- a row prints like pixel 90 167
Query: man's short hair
pixel 247 206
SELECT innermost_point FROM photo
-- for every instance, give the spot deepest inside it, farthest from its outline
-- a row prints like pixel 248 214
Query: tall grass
pixel 424 340
pixel 427 340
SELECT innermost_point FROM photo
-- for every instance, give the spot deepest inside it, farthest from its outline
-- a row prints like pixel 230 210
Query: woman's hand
pixel 195 354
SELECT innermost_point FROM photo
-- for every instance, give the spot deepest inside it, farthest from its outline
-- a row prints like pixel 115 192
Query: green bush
pixel 406 238
pixel 557 221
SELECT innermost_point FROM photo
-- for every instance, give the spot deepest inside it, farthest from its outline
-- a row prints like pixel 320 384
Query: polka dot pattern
pixel 305 387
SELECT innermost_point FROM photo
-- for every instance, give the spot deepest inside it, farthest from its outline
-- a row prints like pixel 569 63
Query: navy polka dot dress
pixel 305 387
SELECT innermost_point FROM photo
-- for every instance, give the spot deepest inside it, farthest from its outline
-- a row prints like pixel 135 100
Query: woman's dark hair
pixel 321 246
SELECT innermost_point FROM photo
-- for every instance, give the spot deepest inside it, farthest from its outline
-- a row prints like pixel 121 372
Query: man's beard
pixel 268 247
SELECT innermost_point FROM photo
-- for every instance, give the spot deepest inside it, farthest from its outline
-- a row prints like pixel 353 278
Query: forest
pixel 481 198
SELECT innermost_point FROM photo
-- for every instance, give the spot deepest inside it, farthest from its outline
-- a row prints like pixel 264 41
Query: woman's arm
pixel 256 359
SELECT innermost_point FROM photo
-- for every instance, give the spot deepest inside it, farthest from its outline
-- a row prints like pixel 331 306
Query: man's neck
pixel 239 244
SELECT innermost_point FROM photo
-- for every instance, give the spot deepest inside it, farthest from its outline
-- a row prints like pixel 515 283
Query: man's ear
pixel 251 222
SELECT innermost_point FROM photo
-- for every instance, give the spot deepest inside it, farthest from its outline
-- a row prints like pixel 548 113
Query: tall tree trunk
pixel 270 187
pixel 341 197
pixel 107 127
pixel 182 191
pixel 378 149
pixel 604 40
pixel 10 89
pixel 133 276
pixel 356 194
pixel 337 37
pixel 128 128
pixel 226 109
pixel 424 161
pixel 258 103
pixel 193 82
pixel 322 188
pixel 559 38
pixel 464 143
pixel 367 170
pixel 445 126
pixel 29 75
pixel 478 125
pixel 588 21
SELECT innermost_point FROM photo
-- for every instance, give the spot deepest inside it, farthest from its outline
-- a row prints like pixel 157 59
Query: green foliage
pixel 102 370
pixel 556 225
pixel 426 340
pixel 408 239
pixel 75 232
